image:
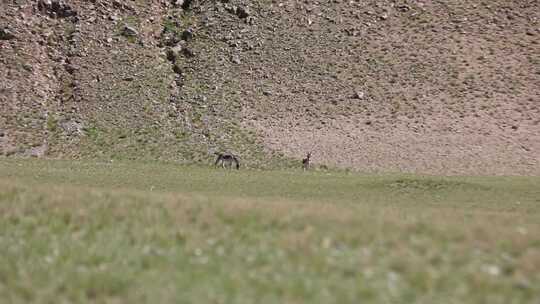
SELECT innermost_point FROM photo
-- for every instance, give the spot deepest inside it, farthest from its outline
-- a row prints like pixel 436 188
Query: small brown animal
pixel 306 161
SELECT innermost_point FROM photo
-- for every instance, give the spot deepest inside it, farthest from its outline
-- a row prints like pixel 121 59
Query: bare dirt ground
pixel 346 145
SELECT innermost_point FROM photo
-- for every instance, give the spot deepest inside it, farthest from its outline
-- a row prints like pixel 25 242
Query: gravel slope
pixel 410 86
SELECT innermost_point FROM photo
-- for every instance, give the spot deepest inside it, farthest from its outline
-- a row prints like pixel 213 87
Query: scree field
pixel 135 232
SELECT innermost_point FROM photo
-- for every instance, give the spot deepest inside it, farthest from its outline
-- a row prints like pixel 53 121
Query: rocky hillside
pixel 442 87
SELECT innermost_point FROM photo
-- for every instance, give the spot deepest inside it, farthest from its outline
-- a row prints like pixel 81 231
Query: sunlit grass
pixel 126 232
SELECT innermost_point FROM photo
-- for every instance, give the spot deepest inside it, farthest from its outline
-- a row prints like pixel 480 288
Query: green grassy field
pixel 126 232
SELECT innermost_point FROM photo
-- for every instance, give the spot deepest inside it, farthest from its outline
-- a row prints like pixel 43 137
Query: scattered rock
pixel 235 59
pixel 56 8
pixel 523 284
pixel 6 34
pixel 39 151
pixel 72 127
pixel 121 5
pixel 171 55
pixel 230 8
pixel 249 46
pixel 242 12
pixel 70 68
pixel 174 53
pixel 177 69
pixel 9 150
pixel 169 39
pixel 352 32
pixel 403 8
pixel 233 43
pixel 114 18
pixel 383 16
pixel 188 52
pixel 28 67
pixel 250 20
pixel 358 95
pixel 129 78
pixel 129 31
pixel 177 3
pixel 186 4
pixel 493 270
pixel 187 34
pixel 179 79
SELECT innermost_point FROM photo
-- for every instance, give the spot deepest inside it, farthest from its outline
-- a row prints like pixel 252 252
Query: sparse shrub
pixel 52 123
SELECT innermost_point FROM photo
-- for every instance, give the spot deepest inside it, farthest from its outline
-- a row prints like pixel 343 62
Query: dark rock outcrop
pixel 56 8
pixel 6 34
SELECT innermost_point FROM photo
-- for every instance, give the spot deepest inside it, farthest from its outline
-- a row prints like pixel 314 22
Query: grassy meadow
pixel 146 232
